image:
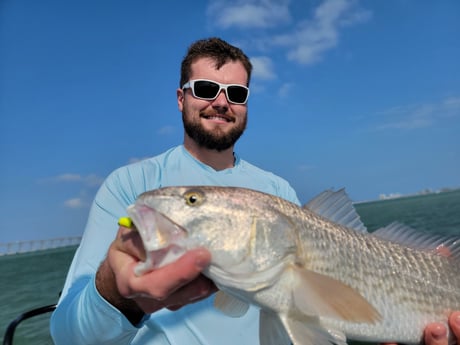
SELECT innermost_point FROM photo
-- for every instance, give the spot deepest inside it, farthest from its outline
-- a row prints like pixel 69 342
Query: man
pixel 103 302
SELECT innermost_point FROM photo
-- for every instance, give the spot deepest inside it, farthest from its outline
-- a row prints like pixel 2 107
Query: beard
pixel 213 140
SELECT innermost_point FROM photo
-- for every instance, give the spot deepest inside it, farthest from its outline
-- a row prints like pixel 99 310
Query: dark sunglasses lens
pixel 206 89
pixel 237 94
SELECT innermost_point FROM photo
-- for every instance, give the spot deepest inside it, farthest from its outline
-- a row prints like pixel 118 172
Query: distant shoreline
pixel 396 196
pixel 31 246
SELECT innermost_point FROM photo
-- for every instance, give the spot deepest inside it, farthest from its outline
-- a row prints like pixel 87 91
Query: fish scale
pixel 398 273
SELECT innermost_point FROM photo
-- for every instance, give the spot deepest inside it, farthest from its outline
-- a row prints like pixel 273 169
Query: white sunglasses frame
pixel 191 83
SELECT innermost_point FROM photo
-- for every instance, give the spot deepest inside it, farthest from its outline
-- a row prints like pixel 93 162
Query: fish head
pixel 232 223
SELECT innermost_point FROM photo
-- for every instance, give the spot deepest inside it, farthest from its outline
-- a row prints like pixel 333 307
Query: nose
pixel 221 101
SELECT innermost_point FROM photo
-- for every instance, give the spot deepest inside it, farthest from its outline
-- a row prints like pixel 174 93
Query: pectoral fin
pixel 271 330
pixel 317 294
pixel 308 331
pixel 229 305
pixel 296 329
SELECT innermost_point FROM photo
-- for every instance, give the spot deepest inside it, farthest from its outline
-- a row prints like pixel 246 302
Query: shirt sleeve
pixel 82 315
pixel 86 318
pixel 288 193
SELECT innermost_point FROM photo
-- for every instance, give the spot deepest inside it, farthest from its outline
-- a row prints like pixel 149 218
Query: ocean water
pixel 435 213
pixel 35 279
pixel 29 281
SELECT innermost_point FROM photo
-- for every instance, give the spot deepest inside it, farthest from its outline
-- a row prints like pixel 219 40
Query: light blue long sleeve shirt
pixel 84 317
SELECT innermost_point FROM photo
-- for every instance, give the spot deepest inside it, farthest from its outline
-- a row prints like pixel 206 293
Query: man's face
pixel 215 124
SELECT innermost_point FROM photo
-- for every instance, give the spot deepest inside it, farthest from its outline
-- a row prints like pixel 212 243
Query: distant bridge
pixel 36 245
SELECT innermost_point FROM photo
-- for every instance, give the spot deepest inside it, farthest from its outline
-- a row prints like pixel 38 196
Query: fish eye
pixel 194 198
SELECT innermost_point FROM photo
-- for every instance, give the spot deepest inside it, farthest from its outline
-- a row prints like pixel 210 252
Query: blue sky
pixel 357 94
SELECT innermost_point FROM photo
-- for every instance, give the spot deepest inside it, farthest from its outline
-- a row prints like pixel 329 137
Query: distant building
pixel 390 196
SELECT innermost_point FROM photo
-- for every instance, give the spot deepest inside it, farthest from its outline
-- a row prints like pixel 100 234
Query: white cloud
pixel 305 167
pixel 285 89
pixel 409 123
pixel 87 185
pixel 451 107
pixel 75 203
pixel 91 180
pixel 83 200
pixel 68 177
pixel 304 38
pixel 136 159
pixel 313 37
pixel 263 67
pixel 166 130
pixel 419 115
pixel 248 13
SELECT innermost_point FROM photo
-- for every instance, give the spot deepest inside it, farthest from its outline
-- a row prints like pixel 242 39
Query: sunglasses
pixel 209 90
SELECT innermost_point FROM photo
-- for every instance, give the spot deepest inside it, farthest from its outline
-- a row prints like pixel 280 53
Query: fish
pixel 314 271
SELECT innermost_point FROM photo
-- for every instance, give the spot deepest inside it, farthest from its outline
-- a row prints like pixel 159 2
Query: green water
pixel 32 280
pixel 435 213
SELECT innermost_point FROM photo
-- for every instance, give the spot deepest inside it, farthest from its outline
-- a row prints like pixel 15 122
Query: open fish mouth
pixel 164 240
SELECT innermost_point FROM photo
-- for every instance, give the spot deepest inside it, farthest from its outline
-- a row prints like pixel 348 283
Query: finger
pixel 435 334
pixel 454 323
pixel 195 291
pixel 164 281
pixel 122 259
pixel 130 242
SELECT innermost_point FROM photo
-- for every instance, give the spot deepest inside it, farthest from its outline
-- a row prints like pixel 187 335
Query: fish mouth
pixel 157 230
pixel 164 240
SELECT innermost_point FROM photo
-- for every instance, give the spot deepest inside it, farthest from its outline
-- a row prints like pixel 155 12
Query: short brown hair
pixel 214 48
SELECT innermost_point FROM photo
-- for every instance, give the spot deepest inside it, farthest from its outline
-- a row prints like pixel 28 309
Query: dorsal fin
pixel 337 207
pixel 405 235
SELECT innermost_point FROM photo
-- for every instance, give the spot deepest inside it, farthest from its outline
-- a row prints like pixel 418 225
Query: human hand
pixel 436 333
pixel 171 286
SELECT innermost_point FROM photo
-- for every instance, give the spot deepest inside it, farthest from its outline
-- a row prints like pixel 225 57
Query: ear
pixel 180 99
